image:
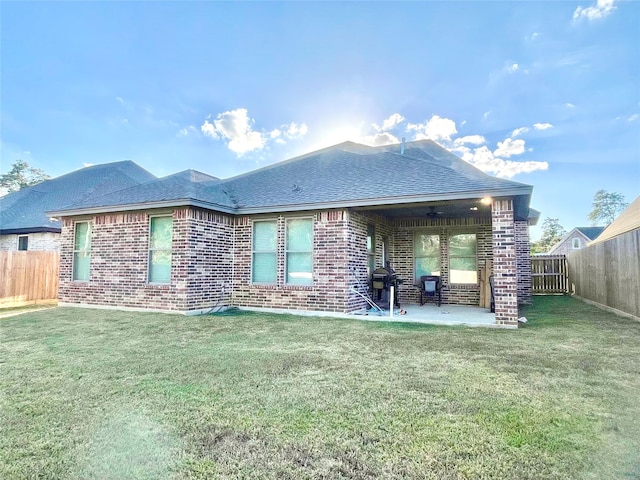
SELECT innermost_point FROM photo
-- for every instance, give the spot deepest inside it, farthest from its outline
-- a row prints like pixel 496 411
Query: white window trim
pixel 432 232
pixel 73 258
pixel 450 235
pixel 159 215
pixel 287 251
pixel 253 251
pixel 18 246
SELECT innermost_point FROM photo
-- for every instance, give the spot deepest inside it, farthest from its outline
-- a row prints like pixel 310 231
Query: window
pixel 160 237
pixel 371 249
pixel 299 251
pixel 23 242
pixel 463 265
pixel 426 254
pixel 576 243
pixel 82 251
pixel 264 259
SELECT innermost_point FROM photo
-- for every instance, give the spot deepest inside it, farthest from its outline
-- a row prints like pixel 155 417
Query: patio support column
pixel 504 262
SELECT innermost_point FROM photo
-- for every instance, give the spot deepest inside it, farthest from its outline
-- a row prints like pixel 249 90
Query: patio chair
pixel 430 287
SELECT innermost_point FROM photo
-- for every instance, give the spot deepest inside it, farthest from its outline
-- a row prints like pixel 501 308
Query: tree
pixel 552 233
pixel 606 207
pixel 20 176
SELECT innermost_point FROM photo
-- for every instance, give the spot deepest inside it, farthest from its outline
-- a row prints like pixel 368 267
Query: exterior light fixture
pixel 486 200
pixel 474 209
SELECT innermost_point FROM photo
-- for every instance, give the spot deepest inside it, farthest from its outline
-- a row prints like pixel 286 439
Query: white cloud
pixel 542 126
pixel 534 35
pixel 293 130
pixel 236 128
pixel 380 138
pixel 483 159
pixel 470 148
pixel 602 9
pixel 519 131
pixel 569 105
pixel 186 131
pixel 391 122
pixel 436 128
pixel 473 139
pixel 486 114
pixel 513 68
pixel 509 148
pixel 633 117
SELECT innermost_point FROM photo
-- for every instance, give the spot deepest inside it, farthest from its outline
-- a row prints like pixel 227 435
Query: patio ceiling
pixel 433 210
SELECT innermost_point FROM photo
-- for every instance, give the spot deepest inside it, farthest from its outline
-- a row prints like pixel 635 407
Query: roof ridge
pixel 295 159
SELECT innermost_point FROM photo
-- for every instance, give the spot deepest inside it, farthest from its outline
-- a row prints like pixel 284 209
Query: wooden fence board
pixel 608 273
pixel 549 275
pixel 28 277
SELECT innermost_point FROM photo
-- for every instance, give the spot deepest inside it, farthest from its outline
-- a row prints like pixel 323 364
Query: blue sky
pixel 544 93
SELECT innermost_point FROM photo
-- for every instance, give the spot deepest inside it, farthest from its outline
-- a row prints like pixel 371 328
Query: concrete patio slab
pixel 443 315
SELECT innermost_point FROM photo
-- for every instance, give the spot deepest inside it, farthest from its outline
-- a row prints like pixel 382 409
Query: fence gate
pixel 549 275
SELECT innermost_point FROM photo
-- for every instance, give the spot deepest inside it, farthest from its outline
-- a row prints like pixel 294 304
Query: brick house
pixel 24 223
pixel 576 239
pixel 302 234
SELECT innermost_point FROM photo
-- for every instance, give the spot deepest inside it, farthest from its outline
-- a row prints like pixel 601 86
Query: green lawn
pixel 112 395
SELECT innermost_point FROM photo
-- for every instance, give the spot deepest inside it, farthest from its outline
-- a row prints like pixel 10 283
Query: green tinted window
pixel 299 251
pixel 426 254
pixel 82 252
pixel 463 264
pixel 264 261
pixel 160 241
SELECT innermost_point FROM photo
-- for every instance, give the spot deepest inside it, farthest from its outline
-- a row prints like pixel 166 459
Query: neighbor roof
pixel 347 174
pixel 25 211
pixel 626 221
pixel 590 232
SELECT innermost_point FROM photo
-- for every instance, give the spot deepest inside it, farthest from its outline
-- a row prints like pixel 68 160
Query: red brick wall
pixel 523 261
pixel 211 261
pixel 403 255
pixel 330 288
pixel 119 257
pixel 504 262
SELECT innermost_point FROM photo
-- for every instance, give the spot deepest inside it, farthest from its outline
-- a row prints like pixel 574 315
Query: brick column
pixel 504 262
pixel 523 260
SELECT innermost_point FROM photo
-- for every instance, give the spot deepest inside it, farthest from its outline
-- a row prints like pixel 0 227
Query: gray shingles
pixel 344 173
pixel 26 209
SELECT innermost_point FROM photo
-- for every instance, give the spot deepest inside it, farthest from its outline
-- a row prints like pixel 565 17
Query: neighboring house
pixel 24 224
pixel 576 239
pixel 302 234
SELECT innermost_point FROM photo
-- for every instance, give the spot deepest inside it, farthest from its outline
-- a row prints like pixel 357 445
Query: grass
pixel 104 394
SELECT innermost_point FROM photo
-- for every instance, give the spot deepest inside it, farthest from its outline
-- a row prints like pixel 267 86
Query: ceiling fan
pixel 432 213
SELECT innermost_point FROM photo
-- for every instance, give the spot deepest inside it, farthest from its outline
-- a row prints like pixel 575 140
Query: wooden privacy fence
pixel 28 277
pixel 549 275
pixel 608 273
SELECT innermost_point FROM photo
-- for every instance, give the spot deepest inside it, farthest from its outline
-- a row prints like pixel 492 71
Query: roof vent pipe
pixel 402 146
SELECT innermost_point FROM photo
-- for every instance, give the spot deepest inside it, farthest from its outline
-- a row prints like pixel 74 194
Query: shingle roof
pixel 339 175
pixel 590 232
pixel 345 174
pixel 25 210
pixel 185 186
